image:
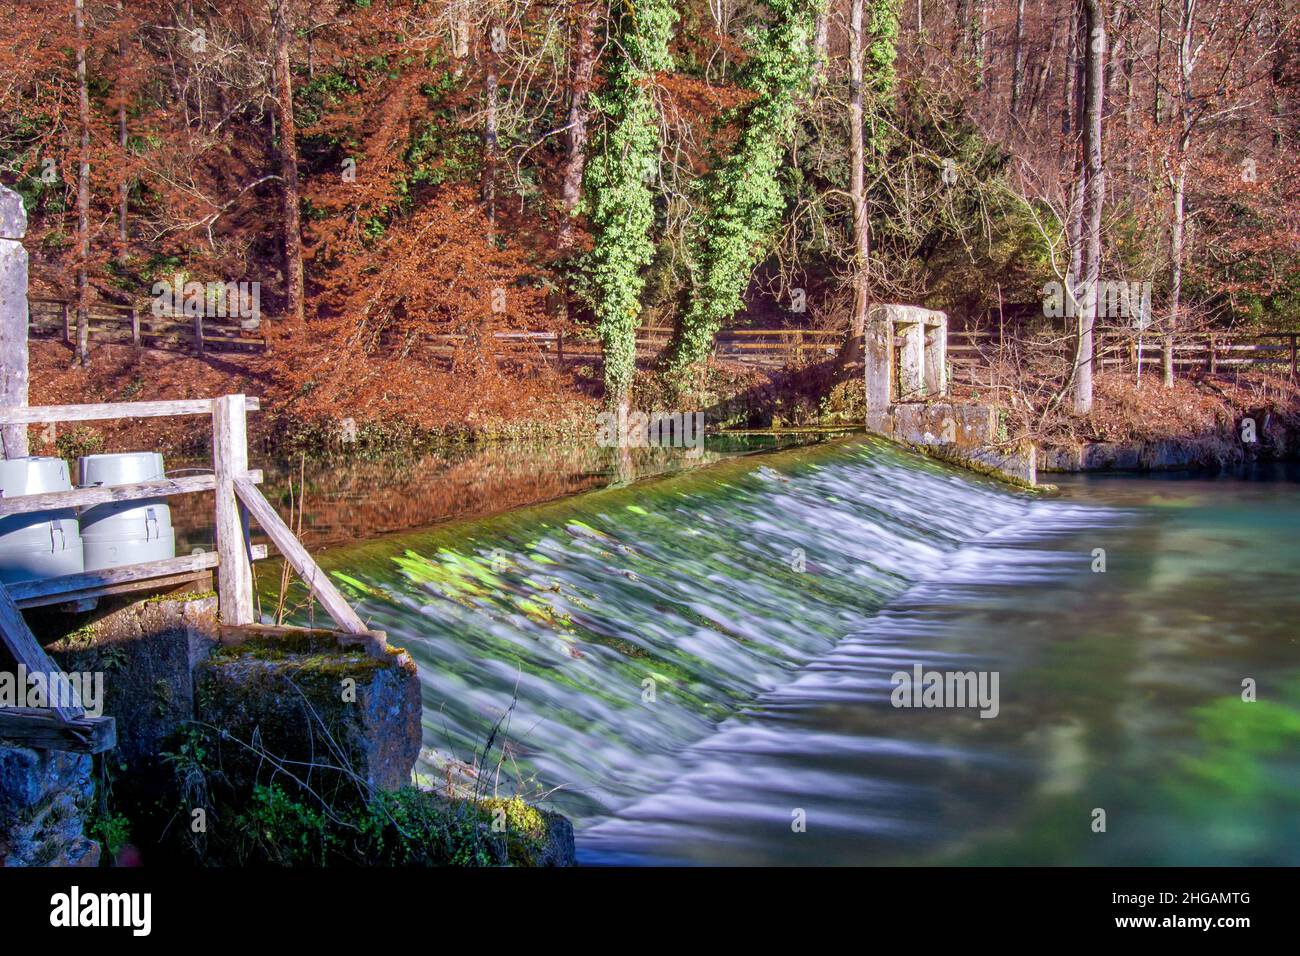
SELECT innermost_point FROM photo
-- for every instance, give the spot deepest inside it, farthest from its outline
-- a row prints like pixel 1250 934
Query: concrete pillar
pixel 878 358
pixel 911 359
pixel 13 318
pixel 936 356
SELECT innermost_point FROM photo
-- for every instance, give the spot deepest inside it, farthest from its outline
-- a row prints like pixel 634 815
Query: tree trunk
pixel 1018 57
pixel 82 354
pixel 123 188
pixel 857 186
pixel 293 270
pixel 490 128
pixel 575 158
pixel 1178 184
pixel 1069 103
pixel 1157 107
pixel 1176 242
pixel 821 47
pixel 1095 176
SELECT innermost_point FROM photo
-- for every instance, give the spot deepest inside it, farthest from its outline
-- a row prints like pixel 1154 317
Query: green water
pixel 698 668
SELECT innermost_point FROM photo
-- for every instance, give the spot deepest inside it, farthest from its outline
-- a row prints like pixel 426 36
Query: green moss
pixel 181 598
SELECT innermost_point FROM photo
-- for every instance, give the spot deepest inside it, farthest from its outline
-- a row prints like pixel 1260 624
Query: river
pixel 700 667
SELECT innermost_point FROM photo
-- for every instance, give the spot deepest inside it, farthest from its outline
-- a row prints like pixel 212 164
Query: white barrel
pixel 43 544
pixel 124 532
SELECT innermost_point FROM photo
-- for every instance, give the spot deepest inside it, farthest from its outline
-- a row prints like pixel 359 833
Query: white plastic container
pixel 42 544
pixel 124 532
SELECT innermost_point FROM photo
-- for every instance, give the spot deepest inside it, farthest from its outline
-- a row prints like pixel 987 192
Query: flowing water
pixel 699 668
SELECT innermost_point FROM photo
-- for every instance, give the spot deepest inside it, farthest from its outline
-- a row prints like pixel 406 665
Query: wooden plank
pixel 230 462
pixel 308 570
pixel 40 414
pixel 45 730
pixel 65 586
pixel 26 650
pixel 191 581
pixel 374 642
pixel 87 497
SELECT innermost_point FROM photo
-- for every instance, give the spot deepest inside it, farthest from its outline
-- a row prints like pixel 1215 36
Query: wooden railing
pixel 970 352
pixel 237 498
pixel 131 325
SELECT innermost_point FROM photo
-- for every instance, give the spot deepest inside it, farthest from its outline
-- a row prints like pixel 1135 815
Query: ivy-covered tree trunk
pixel 744 192
pixel 620 173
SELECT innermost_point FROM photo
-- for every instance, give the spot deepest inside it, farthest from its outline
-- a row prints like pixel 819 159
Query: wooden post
pixel 198 334
pixel 67 322
pixel 135 326
pixel 13 319
pixel 1293 355
pixel 1211 362
pixel 559 348
pixel 230 463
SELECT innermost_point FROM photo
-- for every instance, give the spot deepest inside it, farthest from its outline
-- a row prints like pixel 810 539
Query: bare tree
pixel 580 74
pixel 1094 190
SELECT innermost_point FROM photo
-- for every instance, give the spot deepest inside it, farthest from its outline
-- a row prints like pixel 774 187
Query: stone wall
pixel 965 434
pixel 44 797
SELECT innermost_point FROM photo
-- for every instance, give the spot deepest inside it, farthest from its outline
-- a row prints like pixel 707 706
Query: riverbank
pixel 1200 422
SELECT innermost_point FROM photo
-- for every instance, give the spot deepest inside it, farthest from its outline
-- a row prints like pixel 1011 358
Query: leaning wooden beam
pixel 26 650
pixel 45 730
pixel 284 539
pixel 40 414
pixel 86 497
pixel 68 587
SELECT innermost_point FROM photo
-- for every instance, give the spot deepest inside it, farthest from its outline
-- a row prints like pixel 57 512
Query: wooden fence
pixel 970 352
pixel 132 325
pixel 237 499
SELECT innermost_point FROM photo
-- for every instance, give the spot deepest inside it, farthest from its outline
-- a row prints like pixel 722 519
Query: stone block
pixel 43 796
pixel 302 712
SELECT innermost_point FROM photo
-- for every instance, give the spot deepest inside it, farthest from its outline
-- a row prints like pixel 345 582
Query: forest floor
pixel 732 395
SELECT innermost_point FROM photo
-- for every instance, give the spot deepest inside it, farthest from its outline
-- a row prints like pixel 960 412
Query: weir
pixel 613 629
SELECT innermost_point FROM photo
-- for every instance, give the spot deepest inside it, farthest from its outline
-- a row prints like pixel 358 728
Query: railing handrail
pixel 110 411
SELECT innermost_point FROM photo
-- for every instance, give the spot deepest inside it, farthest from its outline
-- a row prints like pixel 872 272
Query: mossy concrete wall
pixel 147 651
pixel 338 723
pixel 336 729
pixel 965 434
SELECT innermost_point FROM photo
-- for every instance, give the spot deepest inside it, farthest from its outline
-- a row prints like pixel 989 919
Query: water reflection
pixel 347 500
